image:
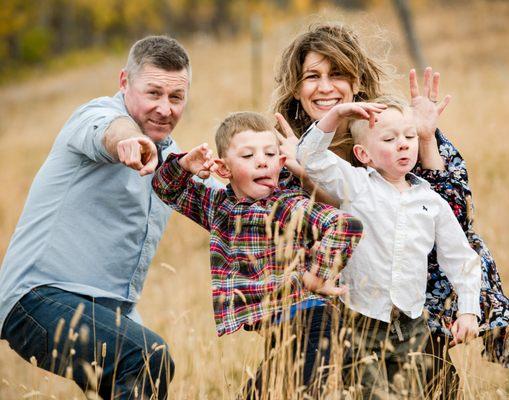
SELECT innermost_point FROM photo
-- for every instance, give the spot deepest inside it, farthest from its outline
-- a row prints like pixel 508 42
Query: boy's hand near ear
pixel 199 161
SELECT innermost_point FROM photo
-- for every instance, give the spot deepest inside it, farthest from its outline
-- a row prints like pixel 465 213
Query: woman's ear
pixel 222 169
pixel 356 86
pixel 361 153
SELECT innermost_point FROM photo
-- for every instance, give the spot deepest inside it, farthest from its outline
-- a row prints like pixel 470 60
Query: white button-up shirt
pixel 389 266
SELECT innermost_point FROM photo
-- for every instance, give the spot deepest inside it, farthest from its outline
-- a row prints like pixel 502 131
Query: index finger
pixel 285 126
pixel 149 167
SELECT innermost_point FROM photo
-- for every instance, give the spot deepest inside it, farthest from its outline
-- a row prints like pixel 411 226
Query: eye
pixel 388 139
pixel 410 136
pixel 247 156
pixel 270 154
pixel 337 75
pixel 154 93
pixel 311 76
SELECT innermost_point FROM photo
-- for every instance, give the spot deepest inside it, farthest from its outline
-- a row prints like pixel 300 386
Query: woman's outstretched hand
pixel 427 107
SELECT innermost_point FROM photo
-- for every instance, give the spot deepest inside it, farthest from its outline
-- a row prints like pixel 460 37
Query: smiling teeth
pixel 326 103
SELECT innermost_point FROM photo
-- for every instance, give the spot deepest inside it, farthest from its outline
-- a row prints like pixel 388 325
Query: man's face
pixel 155 99
pixel 254 163
pixel 392 145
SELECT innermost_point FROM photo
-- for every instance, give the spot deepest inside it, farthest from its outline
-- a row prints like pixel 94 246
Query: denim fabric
pixel 133 359
pixel 312 330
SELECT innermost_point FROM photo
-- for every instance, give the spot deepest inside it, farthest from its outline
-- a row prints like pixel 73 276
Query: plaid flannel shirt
pixel 258 249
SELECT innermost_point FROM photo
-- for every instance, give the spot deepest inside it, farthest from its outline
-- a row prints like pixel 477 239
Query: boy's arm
pixel 333 174
pixel 333 236
pixel 458 260
pixel 174 186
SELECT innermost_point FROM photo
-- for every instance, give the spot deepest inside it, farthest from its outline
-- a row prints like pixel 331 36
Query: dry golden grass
pixel 466 42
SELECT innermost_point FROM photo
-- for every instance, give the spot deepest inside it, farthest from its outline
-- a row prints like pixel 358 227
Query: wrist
pixel 183 162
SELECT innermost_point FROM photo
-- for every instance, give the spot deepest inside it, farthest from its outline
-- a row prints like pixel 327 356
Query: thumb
pixel 454 332
pixel 150 159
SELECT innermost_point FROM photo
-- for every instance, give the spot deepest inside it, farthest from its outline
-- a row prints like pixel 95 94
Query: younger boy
pixel 403 219
pixel 263 236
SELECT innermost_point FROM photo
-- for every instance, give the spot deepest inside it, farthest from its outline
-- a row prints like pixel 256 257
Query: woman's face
pixel 322 87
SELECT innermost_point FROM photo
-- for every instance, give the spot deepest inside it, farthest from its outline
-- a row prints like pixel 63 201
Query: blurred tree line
pixel 33 31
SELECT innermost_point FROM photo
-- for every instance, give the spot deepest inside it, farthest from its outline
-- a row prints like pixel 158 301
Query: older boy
pixel 403 220
pixel 261 234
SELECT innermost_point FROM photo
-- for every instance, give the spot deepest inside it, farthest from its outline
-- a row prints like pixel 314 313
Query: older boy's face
pixel 392 145
pixel 255 163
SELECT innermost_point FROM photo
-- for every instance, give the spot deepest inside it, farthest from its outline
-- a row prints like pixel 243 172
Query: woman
pixel 327 65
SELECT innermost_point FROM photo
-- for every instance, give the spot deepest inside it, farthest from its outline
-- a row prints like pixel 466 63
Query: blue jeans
pixel 88 340
pixel 312 330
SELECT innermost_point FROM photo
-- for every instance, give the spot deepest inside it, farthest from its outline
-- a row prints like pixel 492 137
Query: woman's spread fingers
pixel 414 86
pixel 427 81
pixel 435 86
pixel 443 104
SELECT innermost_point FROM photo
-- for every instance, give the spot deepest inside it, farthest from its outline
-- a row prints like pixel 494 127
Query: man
pixel 77 261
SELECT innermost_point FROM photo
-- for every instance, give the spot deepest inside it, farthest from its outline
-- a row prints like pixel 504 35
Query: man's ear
pixel 123 80
pixel 361 154
pixel 222 169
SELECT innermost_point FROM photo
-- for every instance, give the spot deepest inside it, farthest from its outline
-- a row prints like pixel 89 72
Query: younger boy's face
pixel 392 145
pixel 254 164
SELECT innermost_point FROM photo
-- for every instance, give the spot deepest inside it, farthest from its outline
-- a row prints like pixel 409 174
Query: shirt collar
pixel 411 177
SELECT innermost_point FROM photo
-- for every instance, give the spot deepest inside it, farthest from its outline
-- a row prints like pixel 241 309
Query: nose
pixel 261 161
pixel 164 107
pixel 325 84
pixel 402 144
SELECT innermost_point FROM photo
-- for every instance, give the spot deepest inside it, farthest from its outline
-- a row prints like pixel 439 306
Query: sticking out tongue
pixel 265 182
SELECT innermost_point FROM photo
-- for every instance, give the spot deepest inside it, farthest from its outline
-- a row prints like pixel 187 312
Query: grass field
pixel 465 41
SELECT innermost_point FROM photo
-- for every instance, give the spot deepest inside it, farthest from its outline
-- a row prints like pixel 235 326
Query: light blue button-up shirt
pixel 89 226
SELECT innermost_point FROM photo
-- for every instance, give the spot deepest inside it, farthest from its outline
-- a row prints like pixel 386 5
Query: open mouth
pixel 158 123
pixel 326 102
pixel 265 181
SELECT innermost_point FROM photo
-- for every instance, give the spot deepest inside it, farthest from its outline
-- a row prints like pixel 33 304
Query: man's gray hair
pixel 162 52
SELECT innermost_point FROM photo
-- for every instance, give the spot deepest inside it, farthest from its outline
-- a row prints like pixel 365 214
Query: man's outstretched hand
pixel 138 153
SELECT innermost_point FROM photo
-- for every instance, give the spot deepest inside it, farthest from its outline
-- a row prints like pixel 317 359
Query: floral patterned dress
pixel 441 301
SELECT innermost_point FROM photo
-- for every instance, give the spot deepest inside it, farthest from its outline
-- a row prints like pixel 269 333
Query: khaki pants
pixel 387 358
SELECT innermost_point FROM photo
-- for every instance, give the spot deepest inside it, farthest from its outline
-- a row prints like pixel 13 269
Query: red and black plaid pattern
pixel 258 249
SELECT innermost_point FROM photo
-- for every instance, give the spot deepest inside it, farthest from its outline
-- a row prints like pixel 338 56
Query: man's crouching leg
pixel 98 347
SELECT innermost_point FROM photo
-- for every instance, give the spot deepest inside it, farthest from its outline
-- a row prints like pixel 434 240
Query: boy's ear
pixel 361 154
pixel 282 160
pixel 222 169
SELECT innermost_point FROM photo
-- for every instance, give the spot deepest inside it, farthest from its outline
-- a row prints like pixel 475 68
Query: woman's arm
pixel 451 182
pixel 427 109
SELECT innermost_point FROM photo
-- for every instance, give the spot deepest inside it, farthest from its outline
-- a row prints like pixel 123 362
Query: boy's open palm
pixel 199 161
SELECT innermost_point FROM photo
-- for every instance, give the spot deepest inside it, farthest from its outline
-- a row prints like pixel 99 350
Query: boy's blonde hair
pixel 239 122
pixel 358 127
